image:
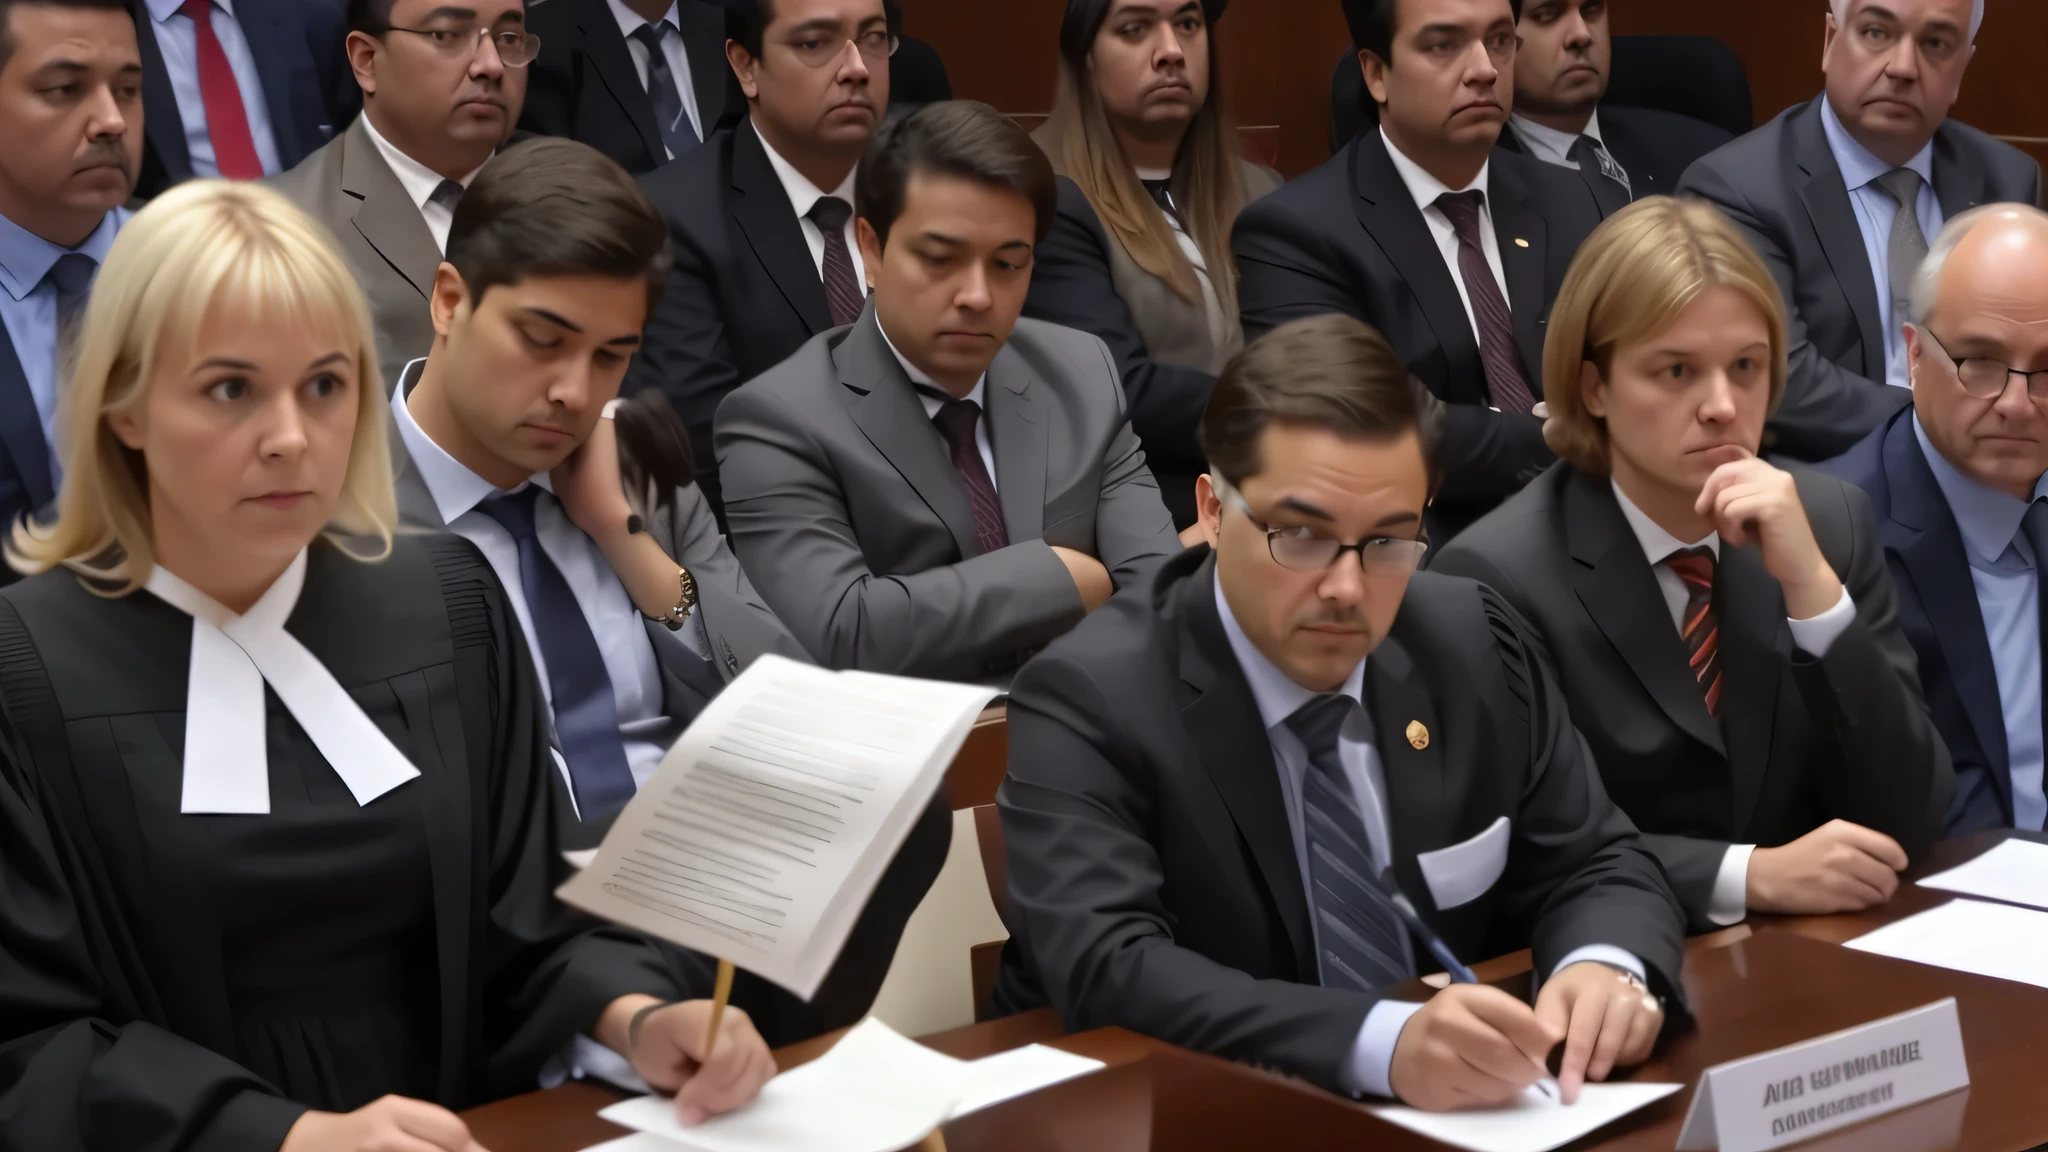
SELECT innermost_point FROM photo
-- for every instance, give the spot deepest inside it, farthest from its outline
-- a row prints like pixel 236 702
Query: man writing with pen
pixel 1290 772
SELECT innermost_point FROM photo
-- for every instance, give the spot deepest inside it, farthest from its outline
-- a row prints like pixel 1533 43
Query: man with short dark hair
pixel 642 81
pixel 761 217
pixel 1819 191
pixel 941 488
pixel 442 84
pixel 1424 229
pixel 1561 73
pixel 1206 779
pixel 70 148
pixel 634 611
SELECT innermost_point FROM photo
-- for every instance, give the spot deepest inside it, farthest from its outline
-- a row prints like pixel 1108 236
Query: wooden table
pixel 1754 987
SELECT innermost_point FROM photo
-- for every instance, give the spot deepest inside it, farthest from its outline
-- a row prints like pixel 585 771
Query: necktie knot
pixel 1902 185
pixel 447 193
pixel 72 274
pixel 1319 722
pixel 1463 210
pixel 1695 566
pixel 196 10
pixel 957 419
pixel 514 511
pixel 651 34
pixel 830 214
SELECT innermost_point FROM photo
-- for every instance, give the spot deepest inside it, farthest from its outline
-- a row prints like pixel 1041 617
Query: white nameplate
pixel 1802 1090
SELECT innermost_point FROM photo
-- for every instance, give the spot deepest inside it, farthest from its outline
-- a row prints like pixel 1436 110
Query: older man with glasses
pixel 443 82
pixel 1957 483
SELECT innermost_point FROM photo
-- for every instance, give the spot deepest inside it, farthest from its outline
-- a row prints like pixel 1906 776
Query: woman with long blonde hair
pixel 1152 180
pixel 276 795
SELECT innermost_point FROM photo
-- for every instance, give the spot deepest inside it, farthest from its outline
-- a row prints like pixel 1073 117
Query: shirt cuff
pixel 1370 1070
pixel 1729 901
pixel 1816 635
pixel 1606 954
pixel 585 1058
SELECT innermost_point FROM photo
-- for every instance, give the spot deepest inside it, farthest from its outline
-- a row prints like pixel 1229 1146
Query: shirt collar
pixel 1656 542
pixel 1858 166
pixel 1545 139
pixel 418 180
pixel 1276 694
pixel 162 10
pixel 453 486
pixel 803 195
pixel 925 385
pixel 1421 185
pixel 630 21
pixel 1988 518
pixel 25 258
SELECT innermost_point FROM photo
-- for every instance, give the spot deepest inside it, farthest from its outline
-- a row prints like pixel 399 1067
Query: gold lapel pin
pixel 1418 736
pixel 1521 243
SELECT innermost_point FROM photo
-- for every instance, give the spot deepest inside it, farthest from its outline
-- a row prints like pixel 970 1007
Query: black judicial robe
pixel 196 982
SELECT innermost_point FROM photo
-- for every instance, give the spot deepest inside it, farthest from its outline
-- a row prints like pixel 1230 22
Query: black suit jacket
pixel 1800 741
pixel 307 86
pixel 1347 237
pixel 1653 147
pixel 24 453
pixel 1781 184
pixel 1938 612
pixel 584 85
pixel 1152 867
pixel 743 295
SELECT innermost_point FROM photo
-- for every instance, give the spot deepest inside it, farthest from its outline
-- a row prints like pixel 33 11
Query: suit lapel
pixel 1749 610
pixel 163 127
pixel 1017 434
pixel 1958 184
pixel 1418 814
pixel 1223 720
pixel 21 428
pixel 613 64
pixel 769 221
pixel 1389 215
pixel 703 28
pixel 885 406
pixel 1826 197
pixel 1522 236
pixel 387 218
pixel 1619 591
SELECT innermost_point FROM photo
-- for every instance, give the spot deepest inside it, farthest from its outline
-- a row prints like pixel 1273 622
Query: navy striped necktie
pixel 1361 941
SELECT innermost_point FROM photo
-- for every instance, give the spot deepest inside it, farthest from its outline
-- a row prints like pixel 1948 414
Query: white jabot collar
pixel 227 765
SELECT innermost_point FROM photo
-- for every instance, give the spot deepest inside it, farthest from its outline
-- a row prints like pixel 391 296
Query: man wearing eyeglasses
pixel 1956 482
pixel 1290 772
pixel 443 82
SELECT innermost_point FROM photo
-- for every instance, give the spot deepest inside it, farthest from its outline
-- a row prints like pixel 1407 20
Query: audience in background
pixel 248 93
pixel 942 488
pixel 1450 247
pixel 442 85
pixel 1151 181
pixel 239 946
pixel 1724 631
pixel 1561 71
pixel 642 81
pixel 916 74
pixel 1957 483
pixel 1822 192
pixel 71 107
pixel 761 218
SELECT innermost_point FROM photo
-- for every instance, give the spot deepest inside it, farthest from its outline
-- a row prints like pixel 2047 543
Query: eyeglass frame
pixel 2005 382
pixel 1227 493
pixel 483 32
pixel 839 52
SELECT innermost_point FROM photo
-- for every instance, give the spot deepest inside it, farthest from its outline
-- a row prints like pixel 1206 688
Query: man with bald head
pixel 1957 482
pixel 1820 191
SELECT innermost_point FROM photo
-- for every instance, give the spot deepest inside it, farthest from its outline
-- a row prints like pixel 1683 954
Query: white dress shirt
pixel 671 50
pixel 929 395
pixel 614 621
pixel 1550 145
pixel 1425 189
pixel 1369 1068
pixel 1875 210
pixel 803 196
pixel 419 182
pixel 178 41
pixel 1729 901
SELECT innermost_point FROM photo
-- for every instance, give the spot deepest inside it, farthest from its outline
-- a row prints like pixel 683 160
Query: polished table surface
pixel 1759 986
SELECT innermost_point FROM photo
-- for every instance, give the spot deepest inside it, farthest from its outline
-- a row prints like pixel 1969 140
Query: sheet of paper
pixel 1969 936
pixel 874 1092
pixel 1534 1123
pixel 637 1142
pixel 2015 872
pixel 767 825
pixel 1008 1075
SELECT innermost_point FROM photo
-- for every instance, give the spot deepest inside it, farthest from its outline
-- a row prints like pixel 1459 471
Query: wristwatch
pixel 686 601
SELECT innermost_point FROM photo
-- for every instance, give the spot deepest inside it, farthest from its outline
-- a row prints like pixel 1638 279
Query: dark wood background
pixel 1278 56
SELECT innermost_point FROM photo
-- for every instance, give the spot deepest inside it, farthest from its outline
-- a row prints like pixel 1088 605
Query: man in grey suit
pixel 891 525
pixel 1819 192
pixel 443 82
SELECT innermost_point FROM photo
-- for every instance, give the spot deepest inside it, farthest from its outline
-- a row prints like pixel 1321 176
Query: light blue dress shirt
pixel 2006 573
pixel 179 43
pixel 1370 1066
pixel 1875 210
pixel 28 307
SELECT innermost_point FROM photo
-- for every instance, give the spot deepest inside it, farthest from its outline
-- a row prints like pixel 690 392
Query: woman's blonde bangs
pixel 1632 277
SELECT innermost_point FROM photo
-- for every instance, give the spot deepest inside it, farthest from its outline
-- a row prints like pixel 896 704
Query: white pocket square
pixel 1464 871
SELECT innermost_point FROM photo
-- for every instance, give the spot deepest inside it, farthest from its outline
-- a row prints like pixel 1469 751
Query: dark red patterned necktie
pixel 1505 381
pixel 842 289
pixel 227 121
pixel 956 420
pixel 1699 628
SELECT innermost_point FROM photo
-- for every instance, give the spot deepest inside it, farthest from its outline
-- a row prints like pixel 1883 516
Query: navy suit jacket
pixel 306 85
pixel 1937 607
pixel 24 454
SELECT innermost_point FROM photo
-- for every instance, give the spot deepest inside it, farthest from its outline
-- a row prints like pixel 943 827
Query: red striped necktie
pixel 1699 628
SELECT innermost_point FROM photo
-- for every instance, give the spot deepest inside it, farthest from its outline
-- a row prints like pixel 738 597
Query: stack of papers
pixel 1533 1123
pixel 1969 936
pixel 2015 872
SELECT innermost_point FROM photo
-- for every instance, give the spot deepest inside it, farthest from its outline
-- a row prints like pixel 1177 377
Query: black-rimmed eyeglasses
pixel 1303 549
pixel 1985 378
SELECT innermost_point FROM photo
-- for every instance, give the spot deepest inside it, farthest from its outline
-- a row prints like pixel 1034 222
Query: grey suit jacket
pixel 1781 185
pixel 349 189
pixel 843 502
